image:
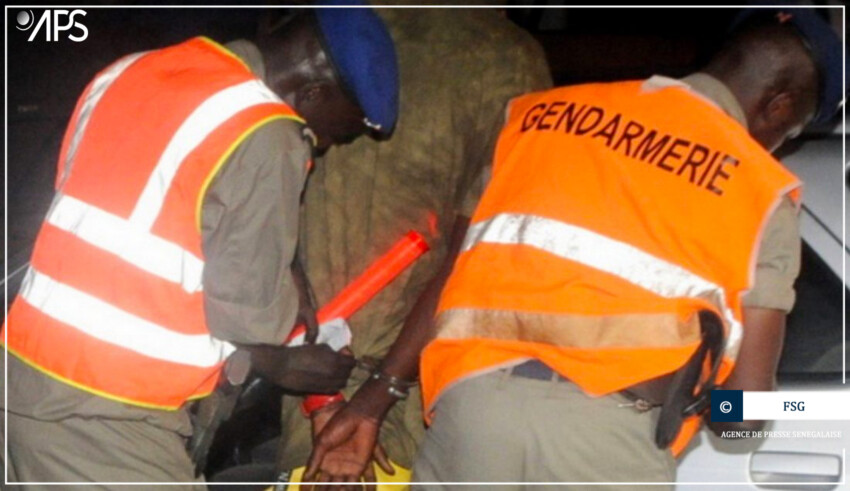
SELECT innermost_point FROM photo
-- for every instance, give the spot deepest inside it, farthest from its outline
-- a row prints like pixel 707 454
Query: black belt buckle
pixel 536 370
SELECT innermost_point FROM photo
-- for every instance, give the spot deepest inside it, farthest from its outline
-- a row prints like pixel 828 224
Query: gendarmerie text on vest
pixel 700 165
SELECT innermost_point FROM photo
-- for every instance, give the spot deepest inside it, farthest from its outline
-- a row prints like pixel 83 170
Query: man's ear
pixel 312 92
pixel 779 110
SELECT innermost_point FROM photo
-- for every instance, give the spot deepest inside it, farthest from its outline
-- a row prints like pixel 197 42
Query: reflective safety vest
pixel 615 212
pixel 112 302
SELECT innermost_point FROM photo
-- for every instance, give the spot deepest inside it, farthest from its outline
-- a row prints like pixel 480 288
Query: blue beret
pixel 825 48
pixel 362 52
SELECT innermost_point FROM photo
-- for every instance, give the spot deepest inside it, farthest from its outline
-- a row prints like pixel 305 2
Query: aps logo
pixel 54 22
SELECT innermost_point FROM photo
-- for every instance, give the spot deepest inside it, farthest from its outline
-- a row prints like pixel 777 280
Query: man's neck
pixel 717 92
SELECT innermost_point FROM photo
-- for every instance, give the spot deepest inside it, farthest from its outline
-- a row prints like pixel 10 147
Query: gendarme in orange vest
pixel 112 302
pixel 615 212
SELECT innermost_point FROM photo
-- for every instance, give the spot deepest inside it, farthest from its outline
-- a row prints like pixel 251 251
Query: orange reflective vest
pixel 112 302
pixel 615 212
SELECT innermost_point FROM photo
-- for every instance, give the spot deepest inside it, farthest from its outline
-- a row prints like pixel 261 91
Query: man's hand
pixel 312 368
pixel 344 446
pixel 344 437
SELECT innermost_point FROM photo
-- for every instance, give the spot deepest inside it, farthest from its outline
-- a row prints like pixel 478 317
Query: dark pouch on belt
pixel 209 413
pixel 682 399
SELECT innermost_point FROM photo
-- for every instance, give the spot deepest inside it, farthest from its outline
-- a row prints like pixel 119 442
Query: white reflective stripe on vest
pixel 214 111
pixel 605 254
pixel 98 88
pixel 112 325
pixel 122 238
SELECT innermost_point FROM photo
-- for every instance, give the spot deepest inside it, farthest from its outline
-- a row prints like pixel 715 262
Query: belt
pixel 537 370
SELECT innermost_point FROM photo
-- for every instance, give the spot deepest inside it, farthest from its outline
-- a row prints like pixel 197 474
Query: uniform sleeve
pixel 778 261
pixel 518 68
pixel 249 232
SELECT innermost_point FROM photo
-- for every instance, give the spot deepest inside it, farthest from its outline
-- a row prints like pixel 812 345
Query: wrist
pixel 379 393
pixel 372 400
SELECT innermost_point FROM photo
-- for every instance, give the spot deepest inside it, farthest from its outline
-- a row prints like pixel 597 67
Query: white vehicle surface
pixel 812 356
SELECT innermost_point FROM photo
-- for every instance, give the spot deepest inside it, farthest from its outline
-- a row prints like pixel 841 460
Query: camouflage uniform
pixel 458 68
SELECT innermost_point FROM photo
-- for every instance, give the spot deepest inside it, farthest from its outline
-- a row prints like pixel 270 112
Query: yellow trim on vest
pixel 217 167
pixel 224 50
pixel 91 390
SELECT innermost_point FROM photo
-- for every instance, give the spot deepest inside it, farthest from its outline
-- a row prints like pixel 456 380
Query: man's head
pixel 336 68
pixel 770 66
